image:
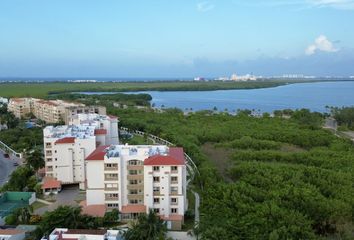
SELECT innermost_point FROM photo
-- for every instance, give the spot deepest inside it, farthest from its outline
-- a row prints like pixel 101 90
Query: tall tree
pixel 147 227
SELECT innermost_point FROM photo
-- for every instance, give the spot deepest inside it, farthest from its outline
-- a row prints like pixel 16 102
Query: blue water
pixel 314 96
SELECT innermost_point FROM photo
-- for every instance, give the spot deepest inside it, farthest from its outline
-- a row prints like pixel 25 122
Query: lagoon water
pixel 314 96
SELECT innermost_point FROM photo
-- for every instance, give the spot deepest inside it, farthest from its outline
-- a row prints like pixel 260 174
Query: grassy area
pixel 43 89
pixel 36 205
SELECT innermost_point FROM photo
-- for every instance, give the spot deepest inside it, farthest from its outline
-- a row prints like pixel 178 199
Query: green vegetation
pixel 44 89
pixel 344 117
pixel 148 227
pixel 282 178
pixel 21 138
pixel 117 99
pixel 22 179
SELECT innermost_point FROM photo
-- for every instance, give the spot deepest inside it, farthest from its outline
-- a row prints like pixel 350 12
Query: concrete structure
pixel 134 179
pixel 12 234
pixel 10 201
pixel 50 111
pixel 88 234
pixel 66 147
pixel 20 106
pixel 242 78
pixel 71 112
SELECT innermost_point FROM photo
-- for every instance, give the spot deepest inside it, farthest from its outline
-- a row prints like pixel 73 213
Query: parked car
pixel 15 164
pixel 6 155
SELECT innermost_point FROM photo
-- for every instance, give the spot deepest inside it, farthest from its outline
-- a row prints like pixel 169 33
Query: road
pixel 6 168
pixel 197 204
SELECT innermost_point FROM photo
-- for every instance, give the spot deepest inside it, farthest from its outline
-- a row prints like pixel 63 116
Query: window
pixel 173 210
pixel 174 179
pixel 50 168
pixel 156 210
pixel 49 159
pixel 111 176
pixel 112 196
pixel 156 200
pixel 156 189
pixel 135 162
pixel 156 168
pixel 133 191
pixel 111 165
pixel 174 190
pixel 112 205
pixel 173 168
pixel 133 182
pixel 133 201
pixel 173 201
pixel 133 172
pixel 156 179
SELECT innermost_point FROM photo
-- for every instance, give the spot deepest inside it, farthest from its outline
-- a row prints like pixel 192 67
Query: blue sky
pixel 175 38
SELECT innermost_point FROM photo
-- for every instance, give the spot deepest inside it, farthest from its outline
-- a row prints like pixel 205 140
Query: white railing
pixel 6 148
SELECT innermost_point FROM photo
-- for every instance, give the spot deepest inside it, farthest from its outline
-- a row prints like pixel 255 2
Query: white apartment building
pixel 67 146
pixel 87 234
pixel 134 179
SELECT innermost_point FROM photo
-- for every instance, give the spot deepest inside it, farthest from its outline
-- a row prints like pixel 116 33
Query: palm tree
pixel 147 227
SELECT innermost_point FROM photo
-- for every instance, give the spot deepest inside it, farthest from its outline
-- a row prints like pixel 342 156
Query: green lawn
pixel 36 205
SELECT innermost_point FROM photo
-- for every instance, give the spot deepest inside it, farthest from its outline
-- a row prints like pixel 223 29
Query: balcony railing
pixel 111 189
pixel 111 168
pixel 111 178
pixel 174 193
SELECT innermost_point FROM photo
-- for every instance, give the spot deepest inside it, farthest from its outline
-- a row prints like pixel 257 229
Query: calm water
pixel 314 96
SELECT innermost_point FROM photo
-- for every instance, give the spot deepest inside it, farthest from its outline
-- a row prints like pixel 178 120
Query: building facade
pixel 89 234
pixel 134 179
pixel 67 146
pixel 50 111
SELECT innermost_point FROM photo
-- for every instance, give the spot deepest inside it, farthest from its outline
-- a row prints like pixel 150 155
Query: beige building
pixel 50 111
pixel 20 106
pixel 134 179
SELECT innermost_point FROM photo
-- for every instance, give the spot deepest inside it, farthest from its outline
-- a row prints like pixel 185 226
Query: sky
pixel 175 38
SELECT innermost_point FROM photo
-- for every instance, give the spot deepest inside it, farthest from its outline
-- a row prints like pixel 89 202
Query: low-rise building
pixel 89 234
pixel 67 146
pixel 50 111
pixel 134 179
pixel 12 234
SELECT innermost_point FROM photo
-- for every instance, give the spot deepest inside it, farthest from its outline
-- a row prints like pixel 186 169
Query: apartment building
pixel 20 106
pixel 88 234
pixel 67 146
pixel 72 111
pixel 50 111
pixel 134 179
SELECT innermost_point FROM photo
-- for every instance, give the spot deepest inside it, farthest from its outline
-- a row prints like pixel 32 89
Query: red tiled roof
pixel 97 210
pixel 51 183
pixel 98 154
pixel 65 140
pixel 178 153
pixel 158 160
pixel 10 231
pixel 100 131
pixel 134 209
pixel 174 217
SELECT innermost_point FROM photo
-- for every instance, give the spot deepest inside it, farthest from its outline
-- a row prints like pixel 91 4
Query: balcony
pixel 106 178
pixel 110 198
pixel 111 168
pixel 135 167
pixel 111 189
pixel 135 187
pixel 136 196
pixel 156 193
pixel 135 177
pixel 174 193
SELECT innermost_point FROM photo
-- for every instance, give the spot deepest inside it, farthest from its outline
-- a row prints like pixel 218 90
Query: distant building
pixel 67 146
pixel 50 111
pixel 247 77
pixel 12 234
pixel 89 234
pixel 134 179
pixel 199 79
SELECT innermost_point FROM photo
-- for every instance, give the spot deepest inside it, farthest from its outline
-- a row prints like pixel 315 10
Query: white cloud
pixel 321 44
pixel 339 4
pixel 205 7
